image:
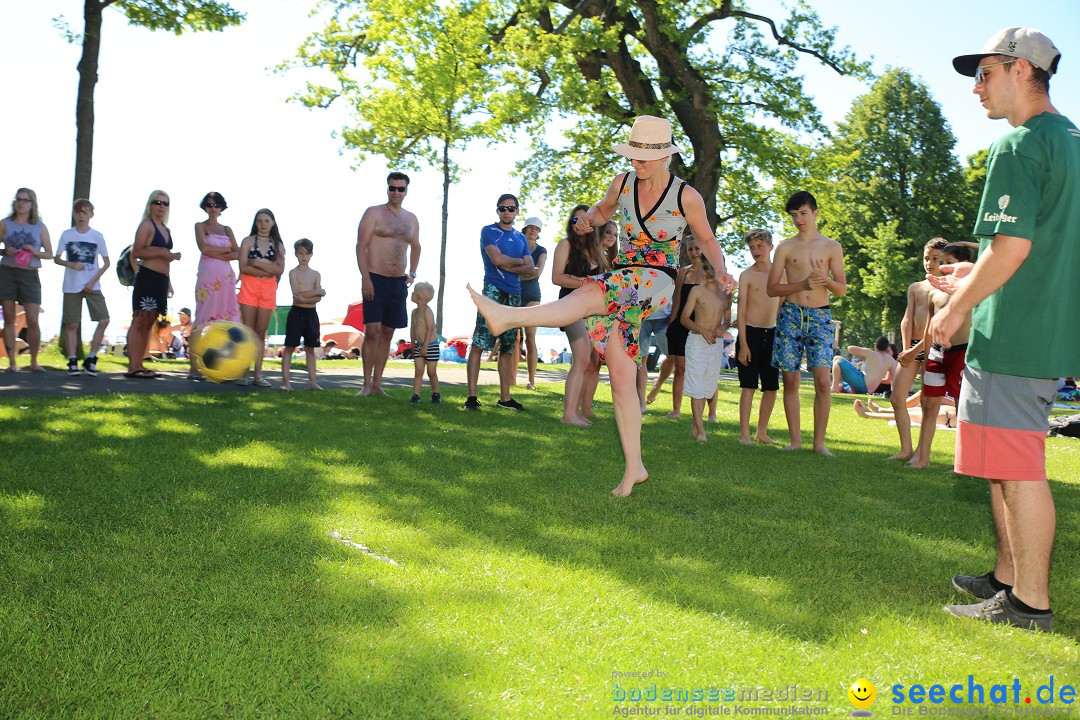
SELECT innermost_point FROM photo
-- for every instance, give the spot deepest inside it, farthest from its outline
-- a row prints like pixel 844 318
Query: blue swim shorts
pixel 800 329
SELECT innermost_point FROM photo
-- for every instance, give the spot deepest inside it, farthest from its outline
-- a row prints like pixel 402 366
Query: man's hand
pixel 727 282
pixel 951 277
pixel 367 289
pixel 906 358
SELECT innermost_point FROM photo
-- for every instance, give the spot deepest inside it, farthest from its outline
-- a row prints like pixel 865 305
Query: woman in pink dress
pixel 215 285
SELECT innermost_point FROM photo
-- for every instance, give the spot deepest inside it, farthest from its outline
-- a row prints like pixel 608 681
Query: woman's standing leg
pixel 248 314
pixel 677 381
pixel 33 333
pixel 10 313
pixel 530 352
pixel 580 349
pixel 262 322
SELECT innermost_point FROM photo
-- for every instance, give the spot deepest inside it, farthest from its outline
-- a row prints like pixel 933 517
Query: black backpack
pixel 1065 425
pixel 125 273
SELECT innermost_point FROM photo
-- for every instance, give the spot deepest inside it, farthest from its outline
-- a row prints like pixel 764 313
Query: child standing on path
pixel 303 320
pixel 757 328
pixel 706 315
pixel 78 252
pixel 814 265
pixel 424 341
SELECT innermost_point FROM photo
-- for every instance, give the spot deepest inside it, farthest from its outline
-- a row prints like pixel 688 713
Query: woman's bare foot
pixel 792 447
pixel 860 409
pixel 530 386
pixel 745 440
pixel 712 418
pixel 11 368
pixel 902 455
pixel 916 464
pixel 576 420
pixel 629 481
pixel 286 387
pixel 764 440
pixel 673 415
pixel 316 386
pixel 823 451
pixel 36 368
pixel 492 312
pixel 700 438
pixel 873 405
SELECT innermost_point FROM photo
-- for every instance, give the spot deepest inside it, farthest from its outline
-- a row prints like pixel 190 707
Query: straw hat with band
pixel 650 139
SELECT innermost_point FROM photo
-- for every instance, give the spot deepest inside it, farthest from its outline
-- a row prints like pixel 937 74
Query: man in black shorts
pixel 387 233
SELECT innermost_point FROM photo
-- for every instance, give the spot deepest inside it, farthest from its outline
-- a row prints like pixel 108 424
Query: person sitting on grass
pixel 877 365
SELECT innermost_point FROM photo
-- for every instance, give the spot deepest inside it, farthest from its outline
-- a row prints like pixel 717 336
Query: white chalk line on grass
pixel 362 548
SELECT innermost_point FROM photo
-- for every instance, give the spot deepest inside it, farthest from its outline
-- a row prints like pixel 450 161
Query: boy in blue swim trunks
pixel 814 267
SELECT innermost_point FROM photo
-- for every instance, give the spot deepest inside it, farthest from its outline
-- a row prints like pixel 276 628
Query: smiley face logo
pixel 862 693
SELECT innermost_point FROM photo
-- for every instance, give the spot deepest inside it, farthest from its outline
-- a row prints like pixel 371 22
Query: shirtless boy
pixel 878 363
pixel 425 342
pixel 757 330
pixel 706 315
pixel 911 330
pixel 814 268
pixel 303 320
pixel 386 234
pixel 944 367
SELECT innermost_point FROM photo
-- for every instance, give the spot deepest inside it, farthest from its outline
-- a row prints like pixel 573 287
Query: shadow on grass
pixel 170 555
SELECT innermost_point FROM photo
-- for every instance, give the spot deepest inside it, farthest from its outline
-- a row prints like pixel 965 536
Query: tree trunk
pixel 84 106
pixel 442 251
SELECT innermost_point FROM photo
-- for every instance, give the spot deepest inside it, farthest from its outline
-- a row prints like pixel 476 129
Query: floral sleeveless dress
pixel 645 267
pixel 215 287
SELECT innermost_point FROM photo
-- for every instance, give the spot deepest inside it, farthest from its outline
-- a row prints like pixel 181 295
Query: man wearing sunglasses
pixel 387 253
pixel 1022 294
pixel 506 256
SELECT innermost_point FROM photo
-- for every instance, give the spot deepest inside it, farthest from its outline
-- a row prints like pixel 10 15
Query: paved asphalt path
pixel 52 383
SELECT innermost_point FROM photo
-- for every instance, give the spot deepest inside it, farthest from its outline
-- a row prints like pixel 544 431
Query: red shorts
pixel 942 377
pixel 260 292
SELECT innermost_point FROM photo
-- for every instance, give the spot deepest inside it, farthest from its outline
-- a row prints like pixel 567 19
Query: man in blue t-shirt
pixel 506 255
pixel 1021 294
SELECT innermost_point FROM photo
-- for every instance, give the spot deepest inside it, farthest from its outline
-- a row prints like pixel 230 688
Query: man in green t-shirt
pixel 1021 296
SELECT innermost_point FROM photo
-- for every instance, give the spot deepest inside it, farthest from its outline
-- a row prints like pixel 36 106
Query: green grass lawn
pixel 173 557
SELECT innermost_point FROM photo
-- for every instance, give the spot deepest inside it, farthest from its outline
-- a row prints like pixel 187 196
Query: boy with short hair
pixel 302 320
pixel 944 367
pixel 78 251
pixel 911 329
pixel 757 327
pixel 425 342
pixel 706 315
pixel 814 268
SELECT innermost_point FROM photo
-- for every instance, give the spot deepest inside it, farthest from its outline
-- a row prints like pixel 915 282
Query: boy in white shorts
pixel 707 315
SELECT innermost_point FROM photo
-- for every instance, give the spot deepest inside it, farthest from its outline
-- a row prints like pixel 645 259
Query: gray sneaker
pixel 979 586
pixel 998 609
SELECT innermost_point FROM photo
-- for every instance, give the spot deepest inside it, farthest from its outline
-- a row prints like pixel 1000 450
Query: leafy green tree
pixel 422 90
pixel 725 75
pixel 886 184
pixel 176 16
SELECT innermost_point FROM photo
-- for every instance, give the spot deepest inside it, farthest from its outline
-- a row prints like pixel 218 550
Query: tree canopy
pixel 887 183
pixel 175 16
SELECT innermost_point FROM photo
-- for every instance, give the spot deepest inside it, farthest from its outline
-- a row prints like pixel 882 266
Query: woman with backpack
pixel 152 249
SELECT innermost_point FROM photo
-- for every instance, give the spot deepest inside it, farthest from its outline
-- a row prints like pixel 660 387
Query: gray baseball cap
pixel 1018 42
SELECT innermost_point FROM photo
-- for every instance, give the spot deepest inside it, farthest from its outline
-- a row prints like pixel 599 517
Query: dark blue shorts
pixel 388 306
pixel 302 323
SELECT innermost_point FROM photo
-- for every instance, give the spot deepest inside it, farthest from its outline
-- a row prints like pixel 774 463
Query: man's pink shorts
pixel 1002 425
